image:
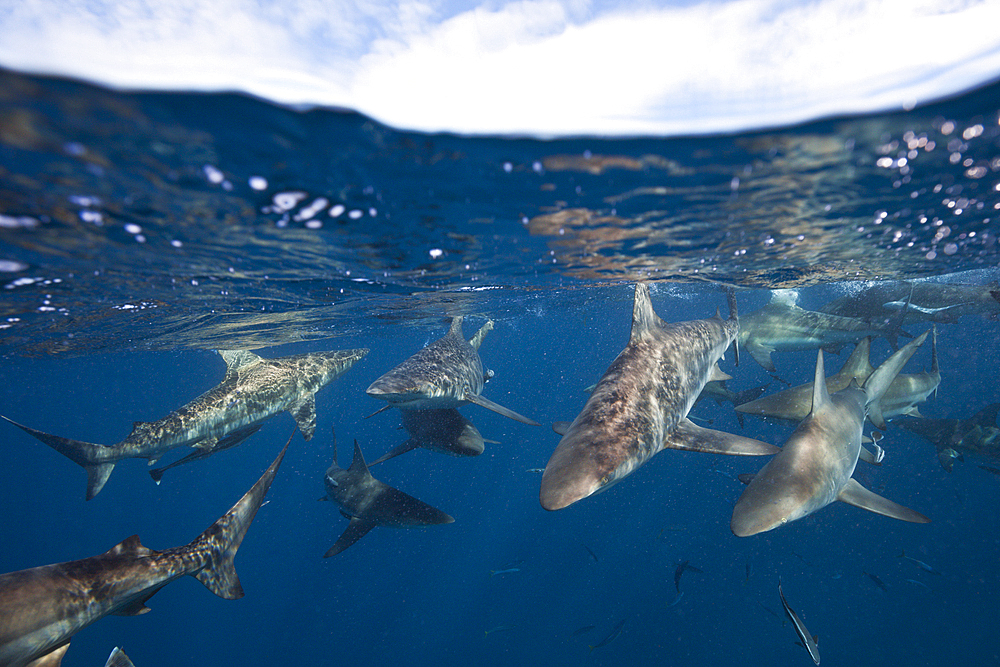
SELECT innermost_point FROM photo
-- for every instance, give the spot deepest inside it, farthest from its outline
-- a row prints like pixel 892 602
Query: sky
pixel 534 67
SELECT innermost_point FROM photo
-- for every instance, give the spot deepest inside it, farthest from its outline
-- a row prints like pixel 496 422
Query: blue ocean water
pixel 141 232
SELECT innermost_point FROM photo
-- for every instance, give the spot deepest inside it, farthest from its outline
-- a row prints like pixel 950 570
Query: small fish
pixel 686 565
pixel 749 571
pixel 509 570
pixel 584 630
pixel 538 470
pixel 676 600
pixel 878 582
pixel 592 554
pixel 801 558
pixel 611 637
pixel 918 583
pixel 989 469
pixel 768 609
pixel 919 563
pixel 810 642
pixel 499 628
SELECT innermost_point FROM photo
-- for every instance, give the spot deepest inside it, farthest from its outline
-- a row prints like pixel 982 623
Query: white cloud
pixel 528 66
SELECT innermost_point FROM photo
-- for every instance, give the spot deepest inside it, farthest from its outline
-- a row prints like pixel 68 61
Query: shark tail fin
pixel 882 377
pixel 85 454
pixel 734 315
pixel 224 537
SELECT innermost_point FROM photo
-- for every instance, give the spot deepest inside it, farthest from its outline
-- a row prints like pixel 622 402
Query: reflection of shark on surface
pixel 444 430
pixel 815 465
pixel 900 398
pixel 640 405
pixel 928 301
pixel 42 608
pixel 448 373
pixel 782 325
pixel 254 390
pixel 977 435
pixel 368 503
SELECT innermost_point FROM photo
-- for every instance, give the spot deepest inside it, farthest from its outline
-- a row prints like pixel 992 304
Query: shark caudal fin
pixel 224 537
pixel 85 454
pixel 882 377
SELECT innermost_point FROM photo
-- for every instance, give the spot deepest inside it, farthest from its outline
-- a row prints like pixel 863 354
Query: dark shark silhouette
pixel 368 503
pixel 42 608
pixel 254 390
pixel 445 431
pixel 977 435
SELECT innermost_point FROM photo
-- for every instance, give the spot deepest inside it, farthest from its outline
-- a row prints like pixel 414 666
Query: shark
pixel 943 303
pixel 444 430
pixel 640 405
pixel 816 463
pixel 367 502
pixel 901 398
pixel 783 325
pixel 254 390
pixel 977 435
pixel 41 609
pixel 447 373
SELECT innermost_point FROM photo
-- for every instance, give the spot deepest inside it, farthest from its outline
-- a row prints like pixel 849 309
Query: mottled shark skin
pixel 640 405
pixel 253 390
pixel 901 398
pixel 815 465
pixel 448 373
pixel 368 503
pixel 445 431
pixel 977 435
pixel 42 608
pixel 928 301
pixel 782 325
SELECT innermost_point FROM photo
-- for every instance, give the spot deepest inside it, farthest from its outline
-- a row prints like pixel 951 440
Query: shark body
pixel 445 431
pixel 977 435
pixel 42 608
pixel 640 405
pixel 816 464
pixel 448 373
pixel 253 390
pixel 928 301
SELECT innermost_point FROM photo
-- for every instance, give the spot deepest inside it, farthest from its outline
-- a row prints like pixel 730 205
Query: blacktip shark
pixel 641 403
pixel 783 325
pixel 810 642
pixel 42 608
pixel 253 390
pixel 977 435
pixel 367 502
pixel 445 431
pixel 901 398
pixel 815 465
pixel 448 373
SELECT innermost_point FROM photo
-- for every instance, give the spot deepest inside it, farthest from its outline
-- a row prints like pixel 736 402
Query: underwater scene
pixel 393 398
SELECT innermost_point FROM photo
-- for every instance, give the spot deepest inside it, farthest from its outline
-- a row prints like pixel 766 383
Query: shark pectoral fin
pixel 51 659
pixel 356 529
pixel 875 414
pixel 402 449
pixel 304 412
pixel 97 475
pixel 561 427
pixel 857 495
pixel 718 374
pixel 875 458
pixel 484 402
pixel 912 411
pixel 138 606
pixel 761 354
pixel 692 437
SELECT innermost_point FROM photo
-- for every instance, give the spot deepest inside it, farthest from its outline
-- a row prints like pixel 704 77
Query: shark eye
pixel 605 479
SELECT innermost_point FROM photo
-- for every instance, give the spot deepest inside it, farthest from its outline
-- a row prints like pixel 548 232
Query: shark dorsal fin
pixel 820 396
pixel 129 546
pixel 858 364
pixel 236 359
pixel 456 326
pixel 643 317
pixel 358 464
pixel 477 339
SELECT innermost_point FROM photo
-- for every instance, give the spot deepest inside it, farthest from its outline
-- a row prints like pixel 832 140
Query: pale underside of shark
pixel 901 398
pixel 782 325
pixel 368 503
pixel 448 373
pixel 815 465
pixel 253 390
pixel 640 405
pixel 42 608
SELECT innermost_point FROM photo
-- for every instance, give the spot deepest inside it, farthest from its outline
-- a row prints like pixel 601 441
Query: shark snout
pixel 569 476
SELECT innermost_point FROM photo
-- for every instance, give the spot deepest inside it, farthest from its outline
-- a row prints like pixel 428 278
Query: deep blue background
pixel 416 597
